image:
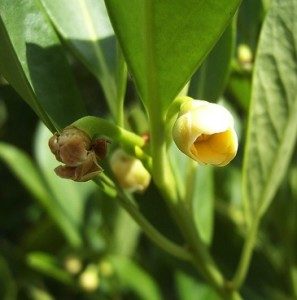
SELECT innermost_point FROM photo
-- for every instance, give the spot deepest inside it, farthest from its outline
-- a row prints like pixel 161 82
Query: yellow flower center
pixel 217 148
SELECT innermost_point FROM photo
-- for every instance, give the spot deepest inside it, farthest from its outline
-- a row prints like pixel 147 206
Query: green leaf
pixel 49 266
pixel 250 18
pixel 203 202
pixel 8 289
pixel 195 183
pixel 73 202
pixel 210 80
pixel 26 171
pixel 165 41
pixel 85 26
pixel 132 276
pixel 272 125
pixel 125 234
pixel 32 60
pixel 191 289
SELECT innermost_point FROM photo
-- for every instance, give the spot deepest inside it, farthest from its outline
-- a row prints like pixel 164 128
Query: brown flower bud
pixel 71 146
pixel 74 148
pixel 100 147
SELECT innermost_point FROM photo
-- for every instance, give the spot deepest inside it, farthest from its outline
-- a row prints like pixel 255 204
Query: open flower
pixel 129 171
pixel 205 132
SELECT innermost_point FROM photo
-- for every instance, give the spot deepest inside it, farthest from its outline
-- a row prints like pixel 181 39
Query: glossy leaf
pixel 72 203
pixel 85 26
pixel 210 80
pixel 26 171
pixel 32 60
pixel 165 41
pixel 133 277
pixel 272 128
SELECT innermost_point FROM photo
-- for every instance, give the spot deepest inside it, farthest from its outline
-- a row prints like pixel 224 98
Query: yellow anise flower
pixel 205 132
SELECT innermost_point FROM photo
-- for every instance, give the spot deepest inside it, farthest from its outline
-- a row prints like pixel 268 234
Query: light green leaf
pixel 32 60
pixel 203 202
pixel 49 266
pixel 195 183
pixel 132 276
pixel 210 80
pixel 25 170
pixel 191 289
pixel 85 26
pixel 70 196
pixel 165 41
pixel 126 233
pixel 272 125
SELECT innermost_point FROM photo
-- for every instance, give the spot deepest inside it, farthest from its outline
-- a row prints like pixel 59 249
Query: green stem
pixel 171 114
pixel 246 254
pixel 121 87
pixel 164 243
pixel 191 175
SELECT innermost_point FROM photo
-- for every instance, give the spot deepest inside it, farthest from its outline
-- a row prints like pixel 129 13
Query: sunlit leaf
pixel 85 26
pixel 165 41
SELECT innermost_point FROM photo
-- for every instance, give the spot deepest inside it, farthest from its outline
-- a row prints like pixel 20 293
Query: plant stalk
pixel 246 254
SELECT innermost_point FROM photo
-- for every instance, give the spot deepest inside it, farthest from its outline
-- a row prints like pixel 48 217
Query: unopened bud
pixel 106 268
pixel 129 171
pixel 205 132
pixel 72 264
pixel 89 279
pixel 245 56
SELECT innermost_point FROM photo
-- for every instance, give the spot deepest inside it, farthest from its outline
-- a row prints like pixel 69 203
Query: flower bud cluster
pixel 76 151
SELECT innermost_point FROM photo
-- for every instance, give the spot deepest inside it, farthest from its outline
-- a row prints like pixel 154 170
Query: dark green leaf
pixel 8 290
pixel 25 170
pixel 209 81
pixel 71 204
pixel 32 60
pixel 272 128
